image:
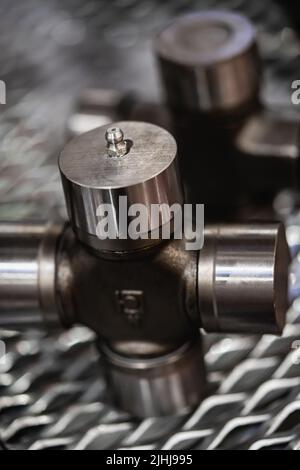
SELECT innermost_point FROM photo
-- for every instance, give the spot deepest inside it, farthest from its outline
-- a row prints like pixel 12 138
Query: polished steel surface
pixel 166 385
pixel 209 61
pixel 243 278
pixel 19 266
pixel 145 173
pixel 47 273
pixel 27 274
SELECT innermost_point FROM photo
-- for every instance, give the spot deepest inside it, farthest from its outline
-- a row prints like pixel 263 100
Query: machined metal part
pixel 239 281
pixel 28 274
pixel 143 304
pixel 165 385
pixel 146 174
pixel 85 421
pixel 209 61
pixel 211 76
pixel 242 281
pixel 117 146
pixel 146 310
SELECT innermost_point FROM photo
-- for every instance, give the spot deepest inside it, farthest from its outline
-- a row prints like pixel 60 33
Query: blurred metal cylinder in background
pixel 210 72
pixel 27 274
pixel 98 107
pixel 209 61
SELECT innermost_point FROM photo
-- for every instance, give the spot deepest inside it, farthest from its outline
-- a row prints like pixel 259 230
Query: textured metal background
pixel 50 386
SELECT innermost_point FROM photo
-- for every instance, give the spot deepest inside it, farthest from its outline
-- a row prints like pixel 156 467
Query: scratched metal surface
pixel 51 392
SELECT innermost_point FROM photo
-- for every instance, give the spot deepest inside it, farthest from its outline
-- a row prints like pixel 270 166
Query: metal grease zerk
pixel 146 299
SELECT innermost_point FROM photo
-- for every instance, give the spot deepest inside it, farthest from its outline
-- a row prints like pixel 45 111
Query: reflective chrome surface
pixel 159 386
pixel 27 274
pixel 243 278
pixel 146 174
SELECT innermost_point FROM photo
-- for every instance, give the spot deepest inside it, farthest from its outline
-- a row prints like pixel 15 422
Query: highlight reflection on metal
pixel 243 259
pixel 260 413
pixel 146 174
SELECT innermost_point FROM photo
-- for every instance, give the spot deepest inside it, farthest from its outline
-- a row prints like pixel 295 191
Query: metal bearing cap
pixel 132 159
pixel 28 253
pixel 209 61
pixel 159 386
pixel 243 278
